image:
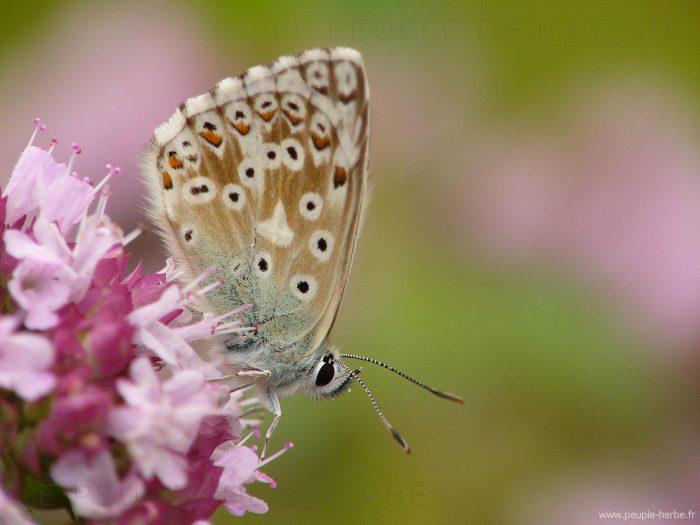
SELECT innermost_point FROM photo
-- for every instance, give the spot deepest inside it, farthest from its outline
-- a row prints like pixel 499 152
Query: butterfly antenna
pixel 439 393
pixel 399 439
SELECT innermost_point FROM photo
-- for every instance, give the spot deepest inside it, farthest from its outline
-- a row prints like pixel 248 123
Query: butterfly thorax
pixel 288 366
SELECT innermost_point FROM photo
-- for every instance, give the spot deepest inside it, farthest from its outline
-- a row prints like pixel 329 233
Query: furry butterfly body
pixel 264 179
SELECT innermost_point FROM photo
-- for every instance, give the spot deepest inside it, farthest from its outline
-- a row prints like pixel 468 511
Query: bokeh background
pixel 533 240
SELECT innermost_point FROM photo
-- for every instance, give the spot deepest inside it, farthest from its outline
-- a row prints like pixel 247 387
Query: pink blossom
pixel 35 168
pixel 25 361
pixel 82 411
pixel 92 484
pixel 50 273
pixel 40 288
pixel 156 336
pixel 240 466
pixel 170 343
pixel 107 407
pixel 65 201
pixel 160 421
pixel 39 181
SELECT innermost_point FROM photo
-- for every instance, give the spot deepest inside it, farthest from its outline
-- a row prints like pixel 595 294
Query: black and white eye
pixel 303 287
pixel 263 264
pixel 292 154
pixel 325 373
pixel 321 244
pixel 272 155
pixel 199 190
pixel 310 206
pixel 250 173
pixel 328 379
pixel 233 196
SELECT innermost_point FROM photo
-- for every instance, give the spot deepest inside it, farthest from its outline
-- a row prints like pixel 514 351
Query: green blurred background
pixel 531 242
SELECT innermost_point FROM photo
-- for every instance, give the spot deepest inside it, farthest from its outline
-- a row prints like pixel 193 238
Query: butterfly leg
pixel 255 373
pixel 221 379
pixel 277 410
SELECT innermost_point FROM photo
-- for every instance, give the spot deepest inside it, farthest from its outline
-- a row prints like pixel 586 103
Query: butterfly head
pixel 320 373
pixel 329 377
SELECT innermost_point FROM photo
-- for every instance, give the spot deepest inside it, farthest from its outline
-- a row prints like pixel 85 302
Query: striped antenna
pixel 439 393
pixel 355 374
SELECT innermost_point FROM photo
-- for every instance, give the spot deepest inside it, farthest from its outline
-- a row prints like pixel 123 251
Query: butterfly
pixel 264 178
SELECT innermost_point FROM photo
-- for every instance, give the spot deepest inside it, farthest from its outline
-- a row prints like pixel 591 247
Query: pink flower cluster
pixel 105 407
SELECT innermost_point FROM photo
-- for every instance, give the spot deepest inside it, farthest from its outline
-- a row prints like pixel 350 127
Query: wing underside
pixel 263 178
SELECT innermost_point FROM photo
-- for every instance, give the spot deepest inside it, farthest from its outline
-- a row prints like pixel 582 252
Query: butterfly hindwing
pixel 263 178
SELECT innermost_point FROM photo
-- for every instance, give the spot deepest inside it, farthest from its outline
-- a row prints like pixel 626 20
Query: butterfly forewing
pixel 263 178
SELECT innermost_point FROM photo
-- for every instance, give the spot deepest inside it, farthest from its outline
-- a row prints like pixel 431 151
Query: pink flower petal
pixel 93 487
pixel 25 361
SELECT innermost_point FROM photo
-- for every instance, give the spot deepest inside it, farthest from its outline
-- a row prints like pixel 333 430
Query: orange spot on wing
pixel 320 143
pixel 340 176
pixel 211 137
pixel 294 119
pixel 267 115
pixel 167 181
pixel 241 127
pixel 174 162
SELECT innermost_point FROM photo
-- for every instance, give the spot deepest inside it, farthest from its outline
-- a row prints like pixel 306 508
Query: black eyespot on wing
pixel 310 205
pixel 196 190
pixel 188 235
pixel 293 152
pixel 209 126
pixel 250 172
pixel 325 374
pixel 271 155
pixel 303 286
pixel 234 196
pixel 322 244
pixel 262 264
